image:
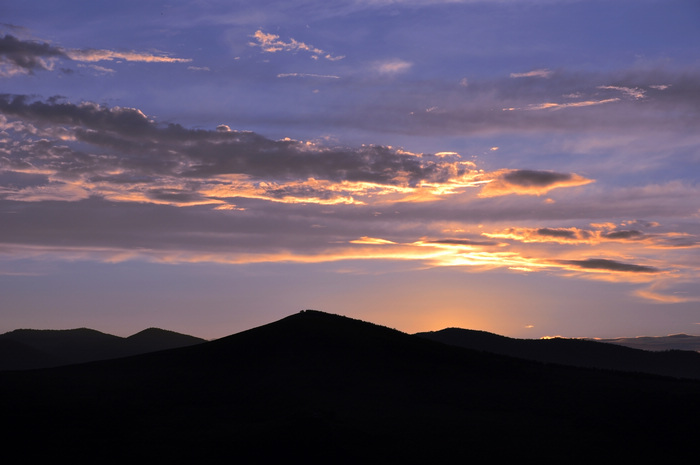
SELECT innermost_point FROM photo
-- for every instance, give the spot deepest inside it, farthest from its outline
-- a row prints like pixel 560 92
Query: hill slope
pixel 575 352
pixel 322 388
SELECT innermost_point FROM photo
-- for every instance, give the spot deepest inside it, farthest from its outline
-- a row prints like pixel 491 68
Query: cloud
pixel 628 234
pixel 308 75
pixel 540 73
pixel 98 69
pixel 392 66
pixel 131 155
pixel 570 103
pixel 24 56
pixel 271 43
pixel 601 235
pixel 559 106
pixel 633 92
pixel 90 55
pixel 530 182
pixel 462 242
pixel 608 265
pixel 662 292
pixel 87 181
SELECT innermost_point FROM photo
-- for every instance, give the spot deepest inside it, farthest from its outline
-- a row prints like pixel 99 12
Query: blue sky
pixel 523 167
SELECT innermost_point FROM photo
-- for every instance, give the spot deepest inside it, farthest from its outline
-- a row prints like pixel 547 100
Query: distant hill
pixel 658 343
pixel 31 348
pixel 322 388
pixel 575 352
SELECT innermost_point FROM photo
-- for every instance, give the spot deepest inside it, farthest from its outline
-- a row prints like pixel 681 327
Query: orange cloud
pixel 272 43
pixel 90 55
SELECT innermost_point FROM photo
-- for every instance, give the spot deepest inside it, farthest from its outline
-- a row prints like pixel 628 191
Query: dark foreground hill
pixel 320 388
pixel 24 349
pixel 575 352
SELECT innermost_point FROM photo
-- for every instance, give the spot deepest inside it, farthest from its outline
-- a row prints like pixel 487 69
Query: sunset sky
pixel 525 167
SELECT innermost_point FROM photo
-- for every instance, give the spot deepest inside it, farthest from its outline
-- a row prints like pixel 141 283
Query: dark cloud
pixel 85 115
pixel 27 55
pixel 566 233
pixel 608 265
pixel 175 195
pixel 530 178
pixel 631 234
pixel 171 149
pixel 463 242
pixel 530 182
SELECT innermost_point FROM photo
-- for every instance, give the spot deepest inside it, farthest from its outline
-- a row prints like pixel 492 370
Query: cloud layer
pixel 87 180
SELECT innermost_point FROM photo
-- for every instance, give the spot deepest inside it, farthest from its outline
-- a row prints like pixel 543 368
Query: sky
pixel 529 168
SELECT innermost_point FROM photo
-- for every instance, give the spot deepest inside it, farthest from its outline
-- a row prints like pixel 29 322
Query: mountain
pixel 575 352
pixel 153 339
pixel 672 342
pixel 322 388
pixel 31 348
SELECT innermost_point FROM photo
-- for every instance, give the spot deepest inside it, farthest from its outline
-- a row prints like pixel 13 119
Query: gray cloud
pixel 26 56
pixel 529 178
pixel 609 265
pixel 566 233
pixel 466 242
pixel 170 149
pixel 531 182
pixel 631 234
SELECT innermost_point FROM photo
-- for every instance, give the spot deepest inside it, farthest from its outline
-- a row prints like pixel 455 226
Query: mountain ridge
pixel 33 348
pixel 317 387
pixel 575 352
pixel 38 348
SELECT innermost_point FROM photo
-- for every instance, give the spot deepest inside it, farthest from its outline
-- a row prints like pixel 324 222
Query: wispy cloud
pixel 271 43
pixel 559 106
pixel 308 75
pixel 392 66
pixel 632 92
pixel 25 56
pixel 91 55
pixel 539 73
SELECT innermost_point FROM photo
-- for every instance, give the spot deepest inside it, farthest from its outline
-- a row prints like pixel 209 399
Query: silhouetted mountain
pixel 153 339
pixel 657 343
pixel 575 352
pixel 31 348
pixel 18 356
pixel 320 388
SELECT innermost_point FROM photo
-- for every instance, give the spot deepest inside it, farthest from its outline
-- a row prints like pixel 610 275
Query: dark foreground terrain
pixel 321 388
